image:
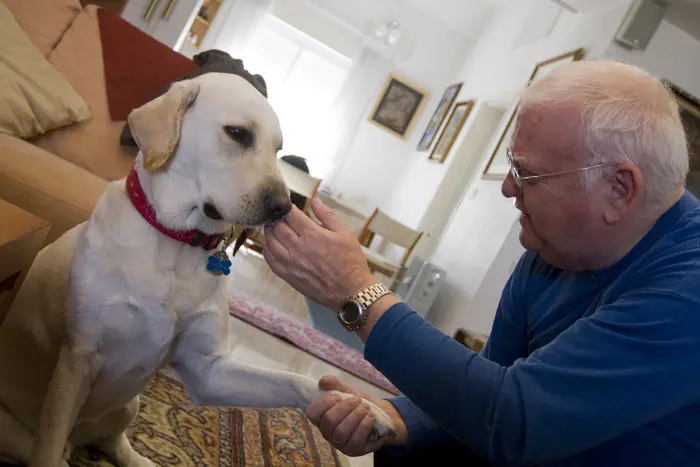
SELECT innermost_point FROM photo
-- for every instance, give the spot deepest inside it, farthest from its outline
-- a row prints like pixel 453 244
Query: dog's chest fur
pixel 134 289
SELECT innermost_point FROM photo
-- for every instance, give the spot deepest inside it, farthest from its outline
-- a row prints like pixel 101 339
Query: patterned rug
pixel 306 338
pixel 171 431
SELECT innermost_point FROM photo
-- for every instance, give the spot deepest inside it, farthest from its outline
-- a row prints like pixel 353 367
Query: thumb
pixel 332 383
pixel 328 218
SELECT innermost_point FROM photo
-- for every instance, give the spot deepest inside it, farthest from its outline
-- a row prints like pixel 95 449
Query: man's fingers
pixel 332 383
pixel 299 221
pixel 272 252
pixel 328 218
pixel 357 444
pixel 335 415
pixel 275 247
pixel 318 408
pixel 346 428
pixel 284 233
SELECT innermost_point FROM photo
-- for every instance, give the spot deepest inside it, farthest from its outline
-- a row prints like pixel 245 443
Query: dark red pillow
pixel 137 66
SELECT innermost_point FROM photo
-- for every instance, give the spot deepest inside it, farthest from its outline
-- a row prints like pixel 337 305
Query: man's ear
pixel 627 190
pixel 156 125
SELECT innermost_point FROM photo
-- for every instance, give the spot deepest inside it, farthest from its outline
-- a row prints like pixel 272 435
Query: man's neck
pixel 620 244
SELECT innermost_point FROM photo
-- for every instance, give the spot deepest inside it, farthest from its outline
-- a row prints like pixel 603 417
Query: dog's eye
pixel 242 136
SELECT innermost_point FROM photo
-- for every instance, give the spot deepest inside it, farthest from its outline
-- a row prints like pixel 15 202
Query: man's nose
pixel 509 188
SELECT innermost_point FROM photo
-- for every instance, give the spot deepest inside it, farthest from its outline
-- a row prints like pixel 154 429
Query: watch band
pixel 361 301
pixel 371 294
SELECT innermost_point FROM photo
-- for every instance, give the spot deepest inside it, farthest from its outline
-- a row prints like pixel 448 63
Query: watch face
pixel 350 312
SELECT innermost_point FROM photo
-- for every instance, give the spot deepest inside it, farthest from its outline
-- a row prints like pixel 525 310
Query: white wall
pixel 377 158
pixel 317 23
pixel 672 54
pixel 485 220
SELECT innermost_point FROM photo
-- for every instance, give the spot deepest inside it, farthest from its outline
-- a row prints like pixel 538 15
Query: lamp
pixel 388 38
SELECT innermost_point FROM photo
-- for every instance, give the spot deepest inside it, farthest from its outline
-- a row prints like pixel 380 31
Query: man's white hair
pixel 626 116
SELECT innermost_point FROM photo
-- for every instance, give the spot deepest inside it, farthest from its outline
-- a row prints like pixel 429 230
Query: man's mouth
pixel 522 211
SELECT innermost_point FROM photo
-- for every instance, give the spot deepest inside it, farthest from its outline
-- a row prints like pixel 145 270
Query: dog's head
pixel 208 147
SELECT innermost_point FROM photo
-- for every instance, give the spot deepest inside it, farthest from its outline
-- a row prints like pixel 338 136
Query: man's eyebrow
pixel 524 164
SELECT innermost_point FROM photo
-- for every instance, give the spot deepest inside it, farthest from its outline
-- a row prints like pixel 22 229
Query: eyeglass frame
pixel 515 172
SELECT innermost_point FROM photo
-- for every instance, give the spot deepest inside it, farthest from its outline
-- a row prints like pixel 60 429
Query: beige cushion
pixel 44 21
pixel 34 97
pixel 46 185
pixel 94 143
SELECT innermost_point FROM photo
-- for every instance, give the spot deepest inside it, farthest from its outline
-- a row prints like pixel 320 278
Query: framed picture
pixel 690 114
pixel 454 125
pixel 497 167
pixel 397 106
pixel 542 69
pixel 448 97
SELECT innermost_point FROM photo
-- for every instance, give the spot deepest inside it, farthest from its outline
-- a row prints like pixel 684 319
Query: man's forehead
pixel 541 133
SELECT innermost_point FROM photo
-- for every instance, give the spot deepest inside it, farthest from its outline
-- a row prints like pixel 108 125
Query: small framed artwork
pixel 497 167
pixel 454 125
pixel 690 115
pixel 446 101
pixel 397 107
pixel 544 68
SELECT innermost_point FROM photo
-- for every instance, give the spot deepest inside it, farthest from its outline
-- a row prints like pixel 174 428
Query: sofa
pixel 59 174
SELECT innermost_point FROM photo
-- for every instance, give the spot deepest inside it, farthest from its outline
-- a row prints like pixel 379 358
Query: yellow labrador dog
pixel 131 290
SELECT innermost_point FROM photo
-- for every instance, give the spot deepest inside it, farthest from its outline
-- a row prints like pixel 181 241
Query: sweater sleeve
pixel 578 391
pixel 423 431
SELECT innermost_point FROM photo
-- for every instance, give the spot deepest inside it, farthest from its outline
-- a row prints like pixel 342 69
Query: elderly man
pixel 594 355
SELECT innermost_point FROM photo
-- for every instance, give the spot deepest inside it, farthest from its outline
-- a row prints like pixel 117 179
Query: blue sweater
pixel 581 369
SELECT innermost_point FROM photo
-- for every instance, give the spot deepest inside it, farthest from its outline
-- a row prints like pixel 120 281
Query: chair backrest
pixel 299 181
pixel 348 214
pixel 391 230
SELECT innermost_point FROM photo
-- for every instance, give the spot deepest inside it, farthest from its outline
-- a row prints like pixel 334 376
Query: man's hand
pixel 346 424
pixel 323 262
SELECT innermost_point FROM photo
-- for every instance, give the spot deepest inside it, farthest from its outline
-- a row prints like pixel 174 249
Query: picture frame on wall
pixel 544 68
pixel 449 134
pixel 398 105
pixel 689 107
pixel 497 167
pixel 431 130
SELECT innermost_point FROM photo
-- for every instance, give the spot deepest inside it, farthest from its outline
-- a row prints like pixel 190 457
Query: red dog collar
pixel 140 202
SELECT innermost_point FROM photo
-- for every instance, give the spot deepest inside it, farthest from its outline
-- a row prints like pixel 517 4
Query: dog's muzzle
pixel 276 202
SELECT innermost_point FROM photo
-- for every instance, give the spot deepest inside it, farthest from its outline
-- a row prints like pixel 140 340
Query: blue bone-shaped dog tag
pixel 219 264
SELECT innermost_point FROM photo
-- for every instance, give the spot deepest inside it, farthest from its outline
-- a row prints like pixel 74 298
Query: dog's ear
pixel 156 124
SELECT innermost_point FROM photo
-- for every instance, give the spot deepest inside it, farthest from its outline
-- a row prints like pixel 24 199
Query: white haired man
pixel 594 355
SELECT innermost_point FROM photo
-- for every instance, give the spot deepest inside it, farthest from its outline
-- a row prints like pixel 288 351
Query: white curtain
pixel 367 74
pixel 233 25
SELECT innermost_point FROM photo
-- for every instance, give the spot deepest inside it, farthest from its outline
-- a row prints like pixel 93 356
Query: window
pixel 303 78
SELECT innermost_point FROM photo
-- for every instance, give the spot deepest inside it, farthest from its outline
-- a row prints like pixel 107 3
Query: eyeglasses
pixel 515 171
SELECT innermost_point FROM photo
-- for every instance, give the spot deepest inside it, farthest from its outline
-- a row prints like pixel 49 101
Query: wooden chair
pixel 299 182
pixel 392 231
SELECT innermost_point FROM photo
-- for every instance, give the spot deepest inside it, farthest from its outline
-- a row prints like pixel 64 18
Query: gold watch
pixel 353 312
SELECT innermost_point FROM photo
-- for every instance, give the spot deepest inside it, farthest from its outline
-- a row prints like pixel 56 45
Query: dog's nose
pixel 212 212
pixel 276 203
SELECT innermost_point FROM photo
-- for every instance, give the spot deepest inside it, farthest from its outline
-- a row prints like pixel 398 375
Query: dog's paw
pixel 383 426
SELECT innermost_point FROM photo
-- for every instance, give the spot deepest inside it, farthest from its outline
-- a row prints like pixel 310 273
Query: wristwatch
pixel 353 311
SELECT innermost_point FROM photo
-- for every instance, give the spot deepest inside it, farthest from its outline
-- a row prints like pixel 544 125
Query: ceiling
pixel 466 17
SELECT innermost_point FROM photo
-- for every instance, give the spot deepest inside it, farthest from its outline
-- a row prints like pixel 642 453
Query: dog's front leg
pixel 67 391
pixel 213 377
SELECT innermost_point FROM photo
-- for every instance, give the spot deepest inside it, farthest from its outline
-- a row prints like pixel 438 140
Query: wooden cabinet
pixel 168 21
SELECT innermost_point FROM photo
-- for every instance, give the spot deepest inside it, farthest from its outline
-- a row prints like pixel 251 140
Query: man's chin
pixel 529 240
